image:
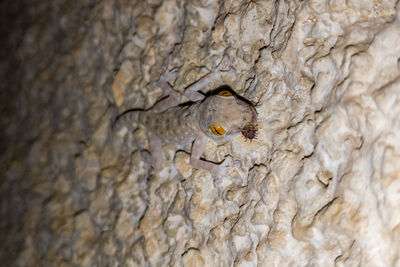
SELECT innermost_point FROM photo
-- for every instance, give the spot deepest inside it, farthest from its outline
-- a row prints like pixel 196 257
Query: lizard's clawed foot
pixel 169 75
pixel 223 169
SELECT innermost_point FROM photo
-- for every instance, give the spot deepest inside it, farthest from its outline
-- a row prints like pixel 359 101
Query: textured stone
pixel 320 183
pixel 86 233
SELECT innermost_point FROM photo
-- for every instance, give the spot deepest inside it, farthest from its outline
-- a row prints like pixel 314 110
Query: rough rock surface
pixel 321 183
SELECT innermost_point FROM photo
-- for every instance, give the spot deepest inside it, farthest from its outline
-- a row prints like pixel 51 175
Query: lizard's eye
pixel 225 93
pixel 217 130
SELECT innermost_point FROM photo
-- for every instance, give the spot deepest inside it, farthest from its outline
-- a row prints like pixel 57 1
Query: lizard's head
pixel 224 115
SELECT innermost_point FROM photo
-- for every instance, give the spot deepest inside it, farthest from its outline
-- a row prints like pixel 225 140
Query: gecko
pixel 219 116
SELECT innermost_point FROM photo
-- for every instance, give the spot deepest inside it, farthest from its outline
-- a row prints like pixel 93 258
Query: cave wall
pixel 320 183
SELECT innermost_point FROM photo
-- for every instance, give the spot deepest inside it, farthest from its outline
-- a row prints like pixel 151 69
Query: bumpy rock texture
pixel 321 183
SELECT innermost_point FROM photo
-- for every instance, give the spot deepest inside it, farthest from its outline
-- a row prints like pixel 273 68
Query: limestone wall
pixel 321 183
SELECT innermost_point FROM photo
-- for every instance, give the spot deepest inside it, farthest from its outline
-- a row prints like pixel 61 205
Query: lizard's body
pixel 219 116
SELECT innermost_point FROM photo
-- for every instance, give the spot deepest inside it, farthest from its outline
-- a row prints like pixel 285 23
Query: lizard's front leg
pixel 192 91
pixel 216 170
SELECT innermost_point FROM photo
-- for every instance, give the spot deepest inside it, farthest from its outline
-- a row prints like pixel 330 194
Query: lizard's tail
pixel 130 119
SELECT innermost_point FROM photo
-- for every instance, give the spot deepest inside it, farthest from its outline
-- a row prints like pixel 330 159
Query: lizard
pixel 219 116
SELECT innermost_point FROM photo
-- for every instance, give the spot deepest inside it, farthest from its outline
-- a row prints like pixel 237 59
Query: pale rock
pixel 88 168
pixel 320 183
pixel 100 202
pixel 121 81
pixel 182 163
pixel 110 247
pixel 124 226
pixel 86 232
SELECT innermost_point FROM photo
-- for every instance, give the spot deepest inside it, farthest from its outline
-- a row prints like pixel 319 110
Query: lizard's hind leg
pixel 129 118
pixel 155 146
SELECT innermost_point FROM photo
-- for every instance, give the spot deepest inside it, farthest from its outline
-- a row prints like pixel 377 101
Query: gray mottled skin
pixel 167 122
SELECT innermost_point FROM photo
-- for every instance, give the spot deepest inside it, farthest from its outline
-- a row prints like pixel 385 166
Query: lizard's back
pixel 176 125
